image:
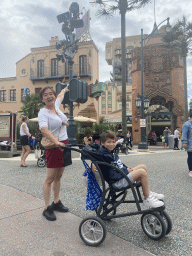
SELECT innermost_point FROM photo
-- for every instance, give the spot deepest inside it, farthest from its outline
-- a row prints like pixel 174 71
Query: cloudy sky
pixel 31 23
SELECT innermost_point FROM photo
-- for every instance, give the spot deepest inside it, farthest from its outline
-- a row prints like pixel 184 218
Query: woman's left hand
pixel 66 89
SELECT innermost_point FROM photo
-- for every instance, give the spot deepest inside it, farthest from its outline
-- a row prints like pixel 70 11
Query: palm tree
pixel 32 105
pixel 108 10
pixel 180 38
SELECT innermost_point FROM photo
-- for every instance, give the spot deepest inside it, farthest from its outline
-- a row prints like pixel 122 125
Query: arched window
pixel 40 68
pixel 82 64
pixel 54 67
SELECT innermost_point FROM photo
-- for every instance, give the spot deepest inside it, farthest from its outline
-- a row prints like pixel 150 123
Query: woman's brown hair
pixel 24 118
pixel 44 89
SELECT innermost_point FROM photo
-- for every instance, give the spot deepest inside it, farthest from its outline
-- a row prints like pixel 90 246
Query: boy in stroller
pixel 108 143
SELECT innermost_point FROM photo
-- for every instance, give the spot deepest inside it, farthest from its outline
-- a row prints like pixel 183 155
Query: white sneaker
pixel 152 202
pixel 158 196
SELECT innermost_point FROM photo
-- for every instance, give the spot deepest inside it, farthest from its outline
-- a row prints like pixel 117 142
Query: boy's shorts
pixel 122 183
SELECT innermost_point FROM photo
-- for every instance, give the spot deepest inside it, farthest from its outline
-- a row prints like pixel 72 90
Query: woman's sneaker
pixel 59 207
pixel 158 196
pixel 49 214
pixel 152 202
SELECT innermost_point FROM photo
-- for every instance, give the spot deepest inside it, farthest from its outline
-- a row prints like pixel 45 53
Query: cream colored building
pixel 110 101
pixel 40 68
pixel 111 98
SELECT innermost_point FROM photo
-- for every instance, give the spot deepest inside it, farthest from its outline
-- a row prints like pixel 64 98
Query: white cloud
pixel 31 23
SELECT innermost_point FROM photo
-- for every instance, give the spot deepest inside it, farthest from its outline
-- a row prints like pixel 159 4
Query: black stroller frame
pixel 155 222
pixel 41 161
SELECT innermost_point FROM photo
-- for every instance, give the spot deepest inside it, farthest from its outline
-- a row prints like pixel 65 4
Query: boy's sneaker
pixel 158 196
pixel 152 202
pixel 49 214
pixel 59 207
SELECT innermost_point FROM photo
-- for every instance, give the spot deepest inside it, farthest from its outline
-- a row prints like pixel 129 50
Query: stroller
pixel 155 222
pixel 40 153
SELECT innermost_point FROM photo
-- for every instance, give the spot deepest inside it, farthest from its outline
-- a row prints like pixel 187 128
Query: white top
pixel 53 121
pixel 176 134
pixel 22 133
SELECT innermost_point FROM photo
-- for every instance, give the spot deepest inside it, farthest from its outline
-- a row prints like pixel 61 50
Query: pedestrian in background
pixel 129 139
pixel 176 138
pixel 24 140
pixel 187 141
pixel 52 123
pixel 166 133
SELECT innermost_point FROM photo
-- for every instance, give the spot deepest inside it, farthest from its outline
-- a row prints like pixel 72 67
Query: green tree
pixel 32 105
pixel 180 38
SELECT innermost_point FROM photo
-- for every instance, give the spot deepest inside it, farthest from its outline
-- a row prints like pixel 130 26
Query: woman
pixel 52 122
pixel 24 140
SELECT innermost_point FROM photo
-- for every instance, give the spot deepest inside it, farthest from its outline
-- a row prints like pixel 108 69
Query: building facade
pixel 163 83
pixel 40 68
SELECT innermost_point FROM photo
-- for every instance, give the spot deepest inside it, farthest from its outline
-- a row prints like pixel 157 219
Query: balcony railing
pixel 48 73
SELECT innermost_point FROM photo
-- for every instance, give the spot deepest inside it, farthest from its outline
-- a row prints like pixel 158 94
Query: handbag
pixel 47 144
pixel 67 160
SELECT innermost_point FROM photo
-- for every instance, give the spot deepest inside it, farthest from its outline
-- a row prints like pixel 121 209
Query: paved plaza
pixel 24 231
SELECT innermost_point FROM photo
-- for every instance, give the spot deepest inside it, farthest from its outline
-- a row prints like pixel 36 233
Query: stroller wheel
pixel 92 231
pixel 153 225
pixel 41 162
pixel 168 222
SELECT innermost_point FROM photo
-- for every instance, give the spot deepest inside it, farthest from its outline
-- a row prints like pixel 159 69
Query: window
pixel 67 68
pixel 103 112
pixel 127 105
pixel 120 105
pixel 109 112
pixel 23 72
pixel 109 105
pixel 2 95
pixel 109 98
pixel 13 95
pixel 40 68
pixel 103 106
pixel 82 64
pixel 103 98
pixel 54 67
pixel 109 93
pixel 37 90
pixel 103 93
pixel 22 94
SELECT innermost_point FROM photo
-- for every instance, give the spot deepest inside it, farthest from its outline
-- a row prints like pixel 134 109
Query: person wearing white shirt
pixel 24 140
pixel 52 123
pixel 176 138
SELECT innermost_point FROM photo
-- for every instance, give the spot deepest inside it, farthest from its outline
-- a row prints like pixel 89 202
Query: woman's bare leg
pixel 22 154
pixel 50 175
pixel 27 151
pixel 57 184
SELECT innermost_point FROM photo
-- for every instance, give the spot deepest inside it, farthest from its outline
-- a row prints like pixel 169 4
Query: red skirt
pixel 54 156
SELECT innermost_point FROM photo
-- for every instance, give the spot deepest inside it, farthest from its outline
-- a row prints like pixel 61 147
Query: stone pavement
pixel 24 231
